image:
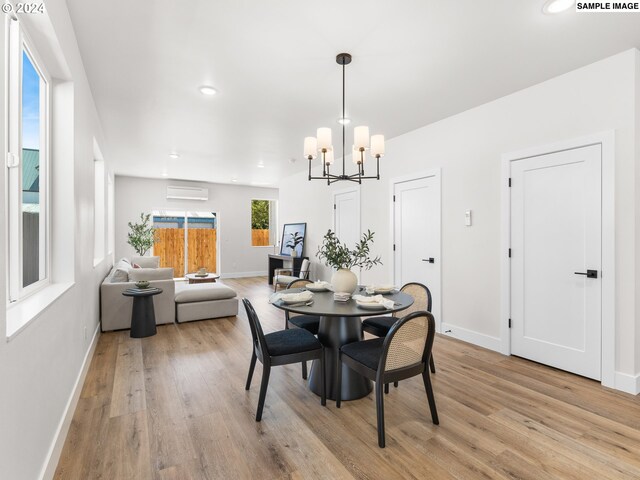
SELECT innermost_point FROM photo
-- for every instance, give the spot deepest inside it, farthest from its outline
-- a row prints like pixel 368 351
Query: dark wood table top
pixel 141 292
pixel 325 306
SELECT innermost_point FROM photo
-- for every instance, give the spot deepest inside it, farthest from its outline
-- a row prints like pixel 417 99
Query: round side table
pixel 195 278
pixel 143 317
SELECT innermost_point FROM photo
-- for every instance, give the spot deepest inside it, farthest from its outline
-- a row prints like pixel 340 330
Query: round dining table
pixel 341 323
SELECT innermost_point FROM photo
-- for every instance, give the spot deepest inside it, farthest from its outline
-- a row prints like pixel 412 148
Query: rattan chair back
pixel 409 342
pixel 421 298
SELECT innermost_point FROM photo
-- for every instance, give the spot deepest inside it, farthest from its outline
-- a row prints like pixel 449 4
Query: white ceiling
pixel 273 62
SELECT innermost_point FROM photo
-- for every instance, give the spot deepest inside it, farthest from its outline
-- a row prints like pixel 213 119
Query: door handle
pixel 588 273
pixel 430 260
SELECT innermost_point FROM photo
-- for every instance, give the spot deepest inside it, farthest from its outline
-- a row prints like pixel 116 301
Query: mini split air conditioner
pixel 187 193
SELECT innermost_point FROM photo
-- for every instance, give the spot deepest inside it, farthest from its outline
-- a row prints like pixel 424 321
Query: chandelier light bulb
pixel 377 145
pixel 328 156
pixel 361 137
pixel 324 138
pixel 310 147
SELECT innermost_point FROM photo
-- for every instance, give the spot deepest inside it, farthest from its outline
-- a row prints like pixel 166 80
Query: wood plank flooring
pixel 173 406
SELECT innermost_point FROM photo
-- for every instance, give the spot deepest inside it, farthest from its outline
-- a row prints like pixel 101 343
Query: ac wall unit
pixel 187 193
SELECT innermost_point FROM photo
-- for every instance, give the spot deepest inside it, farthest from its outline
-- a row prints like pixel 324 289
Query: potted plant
pixel 142 235
pixel 337 255
pixel 293 241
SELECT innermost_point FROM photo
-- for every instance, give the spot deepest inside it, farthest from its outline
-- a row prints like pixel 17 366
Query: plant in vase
pixel 293 241
pixel 337 255
pixel 142 235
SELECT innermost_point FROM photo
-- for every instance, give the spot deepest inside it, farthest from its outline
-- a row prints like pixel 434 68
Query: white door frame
pixel 607 141
pixel 437 174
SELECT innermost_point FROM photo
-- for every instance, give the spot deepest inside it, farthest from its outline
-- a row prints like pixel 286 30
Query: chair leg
pixel 380 414
pixel 339 381
pixel 263 391
pixel 395 384
pixel 386 388
pixel 252 366
pixel 432 364
pixel 304 370
pixel 432 400
pixel 323 387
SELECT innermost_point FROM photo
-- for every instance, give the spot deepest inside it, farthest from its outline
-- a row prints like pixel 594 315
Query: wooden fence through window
pixel 260 238
pixel 201 249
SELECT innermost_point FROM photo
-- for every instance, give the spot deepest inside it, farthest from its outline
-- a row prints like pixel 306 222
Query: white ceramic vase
pixel 344 280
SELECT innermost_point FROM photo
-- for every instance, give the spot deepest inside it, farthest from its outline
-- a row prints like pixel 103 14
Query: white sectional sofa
pixel 115 308
pixel 178 300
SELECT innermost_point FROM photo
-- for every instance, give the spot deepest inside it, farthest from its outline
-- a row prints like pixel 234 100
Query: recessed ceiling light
pixel 207 90
pixel 174 155
pixel 234 180
pixel 557 6
pixel 344 121
pixel 165 174
pixel 261 165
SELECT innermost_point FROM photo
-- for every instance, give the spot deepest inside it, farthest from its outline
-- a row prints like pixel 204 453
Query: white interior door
pixel 556 209
pixel 417 235
pixel 346 217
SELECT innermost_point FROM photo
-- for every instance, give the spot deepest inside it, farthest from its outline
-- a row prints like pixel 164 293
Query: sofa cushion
pixel 202 292
pixel 137 274
pixel 146 262
pixel 120 272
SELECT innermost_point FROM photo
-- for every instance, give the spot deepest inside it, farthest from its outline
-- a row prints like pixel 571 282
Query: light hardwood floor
pixel 173 406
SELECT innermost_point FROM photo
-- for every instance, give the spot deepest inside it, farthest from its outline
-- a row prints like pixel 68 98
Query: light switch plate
pixel 467 218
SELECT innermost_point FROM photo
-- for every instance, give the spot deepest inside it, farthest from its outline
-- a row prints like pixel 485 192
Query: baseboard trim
pixel 627 383
pixel 243 274
pixel 469 336
pixel 53 456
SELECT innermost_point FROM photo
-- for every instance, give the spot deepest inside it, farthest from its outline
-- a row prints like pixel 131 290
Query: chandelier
pixel 321 144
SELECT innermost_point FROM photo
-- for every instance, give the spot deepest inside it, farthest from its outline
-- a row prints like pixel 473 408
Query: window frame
pixel 275 223
pixel 19 44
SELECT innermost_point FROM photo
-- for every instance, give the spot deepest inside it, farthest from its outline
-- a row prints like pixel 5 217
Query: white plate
pixel 311 288
pixel 290 301
pixel 383 289
pixel 370 305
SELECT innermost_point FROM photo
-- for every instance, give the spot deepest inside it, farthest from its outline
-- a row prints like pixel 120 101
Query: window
pixel 186 241
pixel 264 221
pixel 27 132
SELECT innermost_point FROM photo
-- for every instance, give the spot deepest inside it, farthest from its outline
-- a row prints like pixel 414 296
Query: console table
pixel 277 261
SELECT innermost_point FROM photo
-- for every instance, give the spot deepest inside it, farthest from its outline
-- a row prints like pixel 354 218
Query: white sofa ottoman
pixel 201 301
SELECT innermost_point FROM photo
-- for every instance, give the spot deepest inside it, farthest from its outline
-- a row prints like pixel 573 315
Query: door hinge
pixel 394 198
pixel 394 247
pixel 509 253
pixel 509 323
pixel 509 181
pixel 334 206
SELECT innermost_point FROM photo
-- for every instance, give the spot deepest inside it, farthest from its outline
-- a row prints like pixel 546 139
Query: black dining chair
pixel 380 326
pixel 310 323
pixel 280 348
pixel 402 354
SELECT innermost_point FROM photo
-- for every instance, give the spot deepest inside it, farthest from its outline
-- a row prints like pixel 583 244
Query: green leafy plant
pixel 337 255
pixel 142 235
pixel 259 214
pixel 294 240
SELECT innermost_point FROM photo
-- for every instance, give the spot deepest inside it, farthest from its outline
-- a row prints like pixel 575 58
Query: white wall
pixel 232 203
pixel 468 148
pixel 40 365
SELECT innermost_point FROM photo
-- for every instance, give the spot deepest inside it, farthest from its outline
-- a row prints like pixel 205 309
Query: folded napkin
pixel 320 284
pixel 375 299
pixel 301 297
